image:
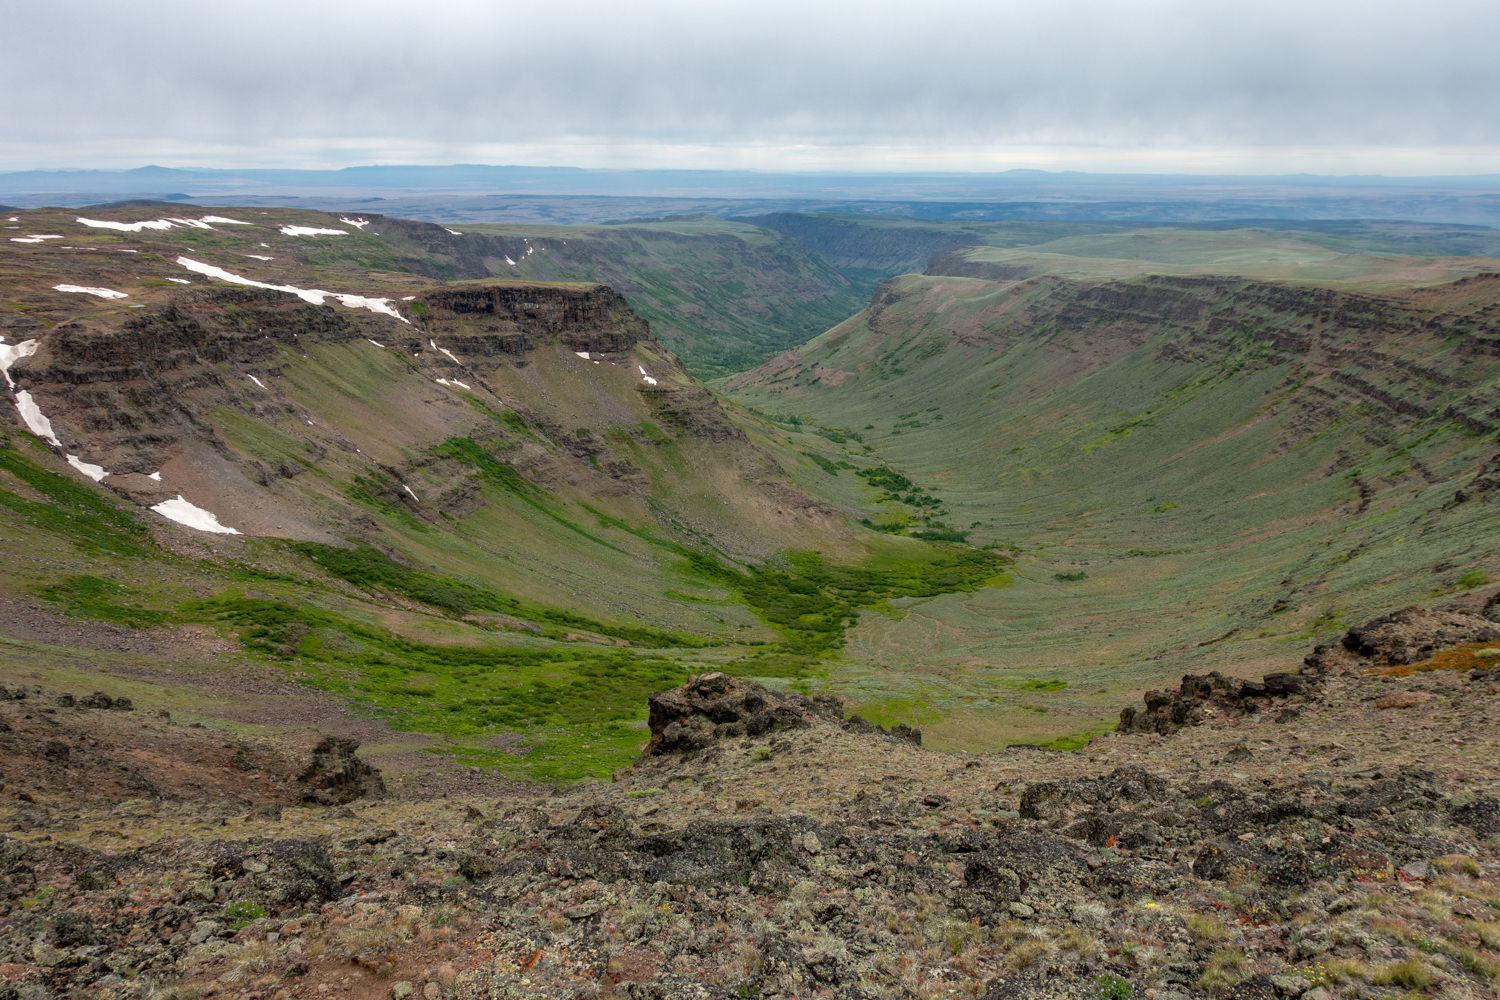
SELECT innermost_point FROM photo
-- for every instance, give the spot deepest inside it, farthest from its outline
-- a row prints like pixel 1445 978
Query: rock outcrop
pixel 336 777
pixel 511 318
pixel 1201 696
pixel 716 706
pixel 1407 636
pixel 1414 634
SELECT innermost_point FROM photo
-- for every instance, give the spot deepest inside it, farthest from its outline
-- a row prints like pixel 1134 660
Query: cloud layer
pixel 1276 86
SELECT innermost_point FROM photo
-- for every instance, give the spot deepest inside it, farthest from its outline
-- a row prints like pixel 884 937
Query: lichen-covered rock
pixel 297 872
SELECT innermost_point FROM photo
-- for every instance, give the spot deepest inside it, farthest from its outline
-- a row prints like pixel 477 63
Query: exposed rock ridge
pixel 594 318
pixel 1407 636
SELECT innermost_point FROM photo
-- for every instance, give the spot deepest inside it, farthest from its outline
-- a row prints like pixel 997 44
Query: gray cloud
pixel 87 82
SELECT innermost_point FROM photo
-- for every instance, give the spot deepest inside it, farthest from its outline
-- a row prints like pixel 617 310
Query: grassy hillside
pixel 496 513
pixel 1197 472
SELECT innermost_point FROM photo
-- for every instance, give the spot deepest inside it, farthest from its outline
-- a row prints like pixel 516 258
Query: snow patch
pixel 34 238
pixel 510 262
pixel 413 495
pixel 180 281
pixel 312 231
pixel 455 232
pixel 259 256
pixel 375 342
pixel 126 227
pixel 407 298
pixel 312 295
pixel 34 419
pixel 155 475
pixel 646 378
pixel 193 516
pixel 582 354
pixel 11 353
pixel 451 382
pixel 94 472
pixel 190 223
pixel 223 221
pixel 103 293
pixel 356 223
pixel 256 381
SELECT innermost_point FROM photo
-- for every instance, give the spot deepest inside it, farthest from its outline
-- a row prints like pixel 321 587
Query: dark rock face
pixel 716 706
pixel 1202 695
pixel 581 319
pixel 1414 634
pixel 336 777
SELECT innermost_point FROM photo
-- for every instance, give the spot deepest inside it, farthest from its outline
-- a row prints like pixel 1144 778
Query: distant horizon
pixel 758 170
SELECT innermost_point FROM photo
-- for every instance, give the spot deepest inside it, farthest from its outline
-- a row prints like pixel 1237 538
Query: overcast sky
pixel 1257 86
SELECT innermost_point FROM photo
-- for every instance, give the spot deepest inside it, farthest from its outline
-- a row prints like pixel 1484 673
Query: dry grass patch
pixel 1026 953
pixel 1450 863
pixel 1411 973
pixel 1207 927
pixel 1225 968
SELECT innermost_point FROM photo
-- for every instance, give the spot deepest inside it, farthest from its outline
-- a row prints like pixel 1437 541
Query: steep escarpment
pixel 722 296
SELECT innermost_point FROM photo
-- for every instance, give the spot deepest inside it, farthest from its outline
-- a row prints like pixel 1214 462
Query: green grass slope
pixel 1197 472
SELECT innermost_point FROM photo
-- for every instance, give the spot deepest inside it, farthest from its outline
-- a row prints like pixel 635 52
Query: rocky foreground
pixel 1332 833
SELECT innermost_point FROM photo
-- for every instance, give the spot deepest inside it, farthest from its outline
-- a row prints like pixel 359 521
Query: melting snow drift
pixel 312 295
pixel 103 293
pixel 126 227
pixel 311 231
pixel 34 419
pixel 644 377
pixel 195 517
pixel 94 472
pixel 11 353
